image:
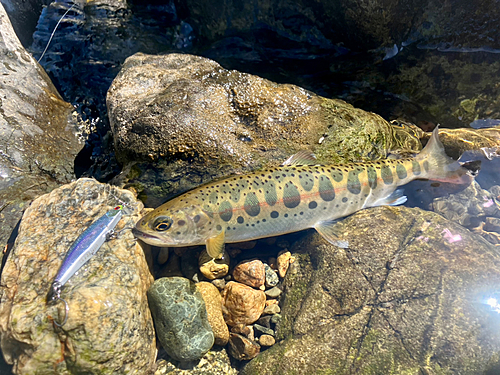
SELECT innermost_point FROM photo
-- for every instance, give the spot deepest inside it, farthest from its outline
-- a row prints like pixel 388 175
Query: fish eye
pixel 162 223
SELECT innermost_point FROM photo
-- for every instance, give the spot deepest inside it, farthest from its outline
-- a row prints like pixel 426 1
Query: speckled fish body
pixel 288 199
pixel 84 247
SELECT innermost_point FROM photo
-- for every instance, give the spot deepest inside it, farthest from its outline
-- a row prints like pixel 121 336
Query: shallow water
pixel 93 40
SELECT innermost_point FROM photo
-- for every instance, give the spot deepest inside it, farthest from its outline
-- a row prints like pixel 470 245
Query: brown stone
pixel 250 272
pixel 242 304
pixel 213 268
pixel 267 340
pixel 283 262
pixel 242 348
pixel 213 303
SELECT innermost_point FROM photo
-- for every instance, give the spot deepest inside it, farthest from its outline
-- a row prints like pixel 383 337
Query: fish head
pixel 171 226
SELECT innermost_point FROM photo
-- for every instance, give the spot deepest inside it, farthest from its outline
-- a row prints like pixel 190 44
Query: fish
pixel 296 196
pixel 84 247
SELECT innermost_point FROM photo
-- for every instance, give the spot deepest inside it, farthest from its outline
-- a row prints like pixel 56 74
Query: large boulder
pixel 39 136
pixel 109 327
pixel 413 293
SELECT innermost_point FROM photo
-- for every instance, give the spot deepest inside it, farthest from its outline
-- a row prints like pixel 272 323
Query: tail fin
pixel 439 166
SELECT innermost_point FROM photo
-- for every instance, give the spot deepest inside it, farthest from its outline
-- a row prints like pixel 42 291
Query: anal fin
pixel 327 230
pixel 215 245
pixel 394 199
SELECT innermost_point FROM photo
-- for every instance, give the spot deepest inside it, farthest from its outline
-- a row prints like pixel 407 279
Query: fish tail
pixel 439 166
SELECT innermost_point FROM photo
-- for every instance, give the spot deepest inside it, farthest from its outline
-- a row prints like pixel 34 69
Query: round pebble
pixel 273 292
pixel 267 340
pixel 272 278
pixel 283 262
pixel 272 309
pixel 213 268
pixel 242 304
pixel 250 272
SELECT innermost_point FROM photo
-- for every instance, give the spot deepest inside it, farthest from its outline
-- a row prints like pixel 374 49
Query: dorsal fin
pixel 303 157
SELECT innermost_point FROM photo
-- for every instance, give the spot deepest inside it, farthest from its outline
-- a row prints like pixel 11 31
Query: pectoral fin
pixel 327 231
pixel 215 245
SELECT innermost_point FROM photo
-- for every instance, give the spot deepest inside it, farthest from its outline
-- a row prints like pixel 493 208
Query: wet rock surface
pixel 109 327
pixel 180 317
pixel 213 303
pixel 38 133
pixel 251 273
pixel 214 362
pixel 408 295
pixel 242 304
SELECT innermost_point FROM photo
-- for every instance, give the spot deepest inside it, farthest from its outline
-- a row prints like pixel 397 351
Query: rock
pixel 270 302
pixel 163 255
pixel 215 361
pixel 109 327
pixel 180 318
pixel 272 309
pixel 276 318
pixel 273 292
pixel 263 330
pixel 403 296
pixel 272 278
pixel 39 135
pixel 214 268
pixel 267 340
pixel 242 348
pixel 474 208
pixel 242 304
pixel 265 321
pixel 250 272
pixel 213 303
pixel 246 331
pixel 219 284
pixel 283 262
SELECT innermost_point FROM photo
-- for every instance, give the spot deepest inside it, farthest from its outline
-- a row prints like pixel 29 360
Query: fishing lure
pixel 85 246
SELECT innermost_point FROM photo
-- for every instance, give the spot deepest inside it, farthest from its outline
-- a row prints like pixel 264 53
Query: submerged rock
pixel 251 273
pixel 38 133
pixel 242 305
pixel 411 294
pixel 214 362
pixel 180 318
pixel 109 327
pixel 213 303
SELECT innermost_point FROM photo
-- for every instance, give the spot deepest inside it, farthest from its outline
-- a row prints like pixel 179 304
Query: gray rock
pixel 39 137
pixel 276 318
pixel 409 294
pixel 273 292
pixel 180 318
pixel 265 321
pixel 272 278
pixel 109 327
pixel 260 330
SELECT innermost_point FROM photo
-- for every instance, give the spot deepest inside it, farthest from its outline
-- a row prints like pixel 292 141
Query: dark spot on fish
pixel 240 220
pixel 386 174
pixel 226 211
pixel 274 214
pixel 326 190
pixel 415 166
pixel 401 171
pixel 313 205
pixel 344 200
pixel 425 164
pixel 286 215
pixel 218 227
pixel 372 177
pixel 181 223
pixel 353 183
pixel 252 206
pixel 291 195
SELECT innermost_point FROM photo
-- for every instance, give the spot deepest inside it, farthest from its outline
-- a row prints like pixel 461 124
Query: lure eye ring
pixel 162 224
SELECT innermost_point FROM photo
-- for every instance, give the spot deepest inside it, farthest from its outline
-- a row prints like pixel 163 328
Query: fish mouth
pixel 148 238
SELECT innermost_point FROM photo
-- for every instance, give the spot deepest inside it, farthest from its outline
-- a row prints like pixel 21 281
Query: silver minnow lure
pixel 85 246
